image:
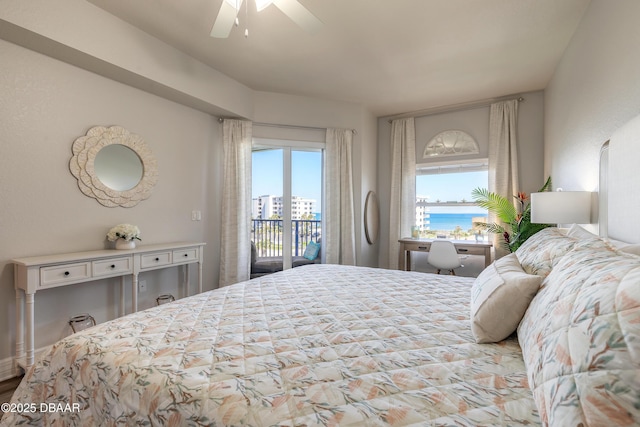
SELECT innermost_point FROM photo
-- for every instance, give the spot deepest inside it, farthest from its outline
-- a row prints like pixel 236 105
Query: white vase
pixel 125 244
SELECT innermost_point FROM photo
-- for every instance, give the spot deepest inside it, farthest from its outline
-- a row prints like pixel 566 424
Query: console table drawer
pixel 64 274
pixel 155 260
pixel 185 255
pixel 112 266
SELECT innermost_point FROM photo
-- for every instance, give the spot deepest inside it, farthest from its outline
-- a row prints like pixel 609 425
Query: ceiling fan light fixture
pixel 228 13
pixel 234 4
pixel 263 4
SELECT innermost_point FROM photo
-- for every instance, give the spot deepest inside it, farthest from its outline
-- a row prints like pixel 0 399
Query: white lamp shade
pixel 561 207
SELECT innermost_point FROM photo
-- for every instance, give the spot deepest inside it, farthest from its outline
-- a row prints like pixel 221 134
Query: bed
pixel 314 345
pixel 549 335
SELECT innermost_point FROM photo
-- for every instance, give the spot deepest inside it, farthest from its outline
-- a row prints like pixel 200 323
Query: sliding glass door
pixel 287 198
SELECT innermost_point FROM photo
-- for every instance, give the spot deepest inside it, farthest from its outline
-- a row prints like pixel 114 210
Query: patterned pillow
pixel 499 297
pixel 312 250
pixel 542 251
pixel 580 340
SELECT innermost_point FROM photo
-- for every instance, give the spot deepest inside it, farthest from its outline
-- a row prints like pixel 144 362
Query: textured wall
pixel 594 91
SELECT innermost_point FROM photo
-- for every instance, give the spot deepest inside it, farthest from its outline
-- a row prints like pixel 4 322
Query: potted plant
pixel 517 226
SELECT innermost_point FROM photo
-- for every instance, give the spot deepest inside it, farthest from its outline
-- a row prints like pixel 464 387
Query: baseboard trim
pixel 8 369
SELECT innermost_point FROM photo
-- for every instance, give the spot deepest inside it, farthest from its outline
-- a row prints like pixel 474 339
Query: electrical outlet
pixel 142 285
pixel 194 215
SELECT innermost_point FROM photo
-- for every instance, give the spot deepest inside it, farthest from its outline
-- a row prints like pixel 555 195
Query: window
pixel 287 197
pixel 444 205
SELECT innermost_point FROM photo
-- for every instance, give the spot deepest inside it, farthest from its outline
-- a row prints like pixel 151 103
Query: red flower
pixel 522 197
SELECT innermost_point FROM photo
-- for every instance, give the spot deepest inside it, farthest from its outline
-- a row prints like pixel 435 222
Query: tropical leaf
pixel 519 222
pixel 493 202
pixel 546 187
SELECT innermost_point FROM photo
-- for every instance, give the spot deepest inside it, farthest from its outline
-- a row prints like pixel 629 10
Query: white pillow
pixel 630 249
pixel 580 233
pixel 499 298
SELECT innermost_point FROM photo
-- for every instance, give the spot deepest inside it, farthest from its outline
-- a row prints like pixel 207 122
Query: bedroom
pixel 593 91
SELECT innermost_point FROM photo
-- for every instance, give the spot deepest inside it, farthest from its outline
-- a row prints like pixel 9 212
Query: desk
pixel 37 273
pixel 464 247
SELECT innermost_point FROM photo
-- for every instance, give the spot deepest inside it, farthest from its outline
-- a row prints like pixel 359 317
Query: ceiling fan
pixel 227 16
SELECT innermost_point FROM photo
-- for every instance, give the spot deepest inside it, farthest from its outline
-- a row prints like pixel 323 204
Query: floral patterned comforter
pixel 320 345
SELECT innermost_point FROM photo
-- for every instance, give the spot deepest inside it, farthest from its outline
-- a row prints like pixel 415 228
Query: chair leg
pixel 451 272
pixel 438 271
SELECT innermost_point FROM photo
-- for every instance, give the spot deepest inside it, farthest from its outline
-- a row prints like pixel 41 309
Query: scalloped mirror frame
pixel 81 165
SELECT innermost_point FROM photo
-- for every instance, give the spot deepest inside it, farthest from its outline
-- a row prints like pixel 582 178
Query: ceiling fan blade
pixel 299 14
pixel 225 20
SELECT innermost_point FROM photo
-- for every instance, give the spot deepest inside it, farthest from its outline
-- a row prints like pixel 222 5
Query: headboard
pixel 622 179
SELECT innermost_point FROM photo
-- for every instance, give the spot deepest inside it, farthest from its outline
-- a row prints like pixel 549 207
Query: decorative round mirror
pixel 118 167
pixel 113 166
pixel 371 217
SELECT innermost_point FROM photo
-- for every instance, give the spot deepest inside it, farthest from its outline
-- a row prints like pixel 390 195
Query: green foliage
pixel 514 221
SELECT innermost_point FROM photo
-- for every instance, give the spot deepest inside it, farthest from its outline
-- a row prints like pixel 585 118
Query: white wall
pixel 475 122
pixel 594 90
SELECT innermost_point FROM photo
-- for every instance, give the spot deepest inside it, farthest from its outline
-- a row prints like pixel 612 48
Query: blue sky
pixel 445 187
pixel 307 178
pixel 306 173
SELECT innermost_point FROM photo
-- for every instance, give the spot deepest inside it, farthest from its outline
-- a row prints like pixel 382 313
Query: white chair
pixel 444 256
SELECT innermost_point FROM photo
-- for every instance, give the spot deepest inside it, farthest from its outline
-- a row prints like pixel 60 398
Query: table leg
pixel 199 277
pixel 487 257
pixel 134 293
pixel 122 309
pixel 186 279
pixel 30 329
pixel 20 352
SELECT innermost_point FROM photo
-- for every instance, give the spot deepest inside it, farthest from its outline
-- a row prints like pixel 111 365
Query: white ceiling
pixel 392 56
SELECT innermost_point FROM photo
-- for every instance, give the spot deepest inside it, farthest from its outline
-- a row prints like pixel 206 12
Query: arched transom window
pixel 450 143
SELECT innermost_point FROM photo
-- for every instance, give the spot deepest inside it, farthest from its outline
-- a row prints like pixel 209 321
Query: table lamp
pixel 561 207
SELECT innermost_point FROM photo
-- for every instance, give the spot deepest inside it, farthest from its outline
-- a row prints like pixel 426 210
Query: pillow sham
pixel 580 233
pixel 542 251
pixel 499 298
pixel 580 340
pixel 633 249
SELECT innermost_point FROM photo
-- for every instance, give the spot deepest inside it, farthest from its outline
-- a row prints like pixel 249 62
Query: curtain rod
pixel 455 107
pixel 275 125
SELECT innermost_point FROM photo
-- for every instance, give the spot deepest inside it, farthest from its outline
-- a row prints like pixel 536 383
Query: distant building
pixel 423 217
pixel 268 206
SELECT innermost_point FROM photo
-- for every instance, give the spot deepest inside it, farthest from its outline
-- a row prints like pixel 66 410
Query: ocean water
pixel 449 221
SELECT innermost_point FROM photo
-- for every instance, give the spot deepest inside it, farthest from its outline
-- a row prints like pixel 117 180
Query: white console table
pixel 45 272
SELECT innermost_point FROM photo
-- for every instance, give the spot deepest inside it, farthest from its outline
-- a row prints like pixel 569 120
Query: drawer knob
pixel 157 259
pixel 113 266
pixel 66 273
pixel 186 255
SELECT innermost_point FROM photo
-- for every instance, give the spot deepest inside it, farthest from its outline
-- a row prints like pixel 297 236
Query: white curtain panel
pixel 339 236
pixel 503 158
pixel 235 253
pixel 402 214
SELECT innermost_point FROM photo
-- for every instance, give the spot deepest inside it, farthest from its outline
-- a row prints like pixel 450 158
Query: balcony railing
pixel 267 235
